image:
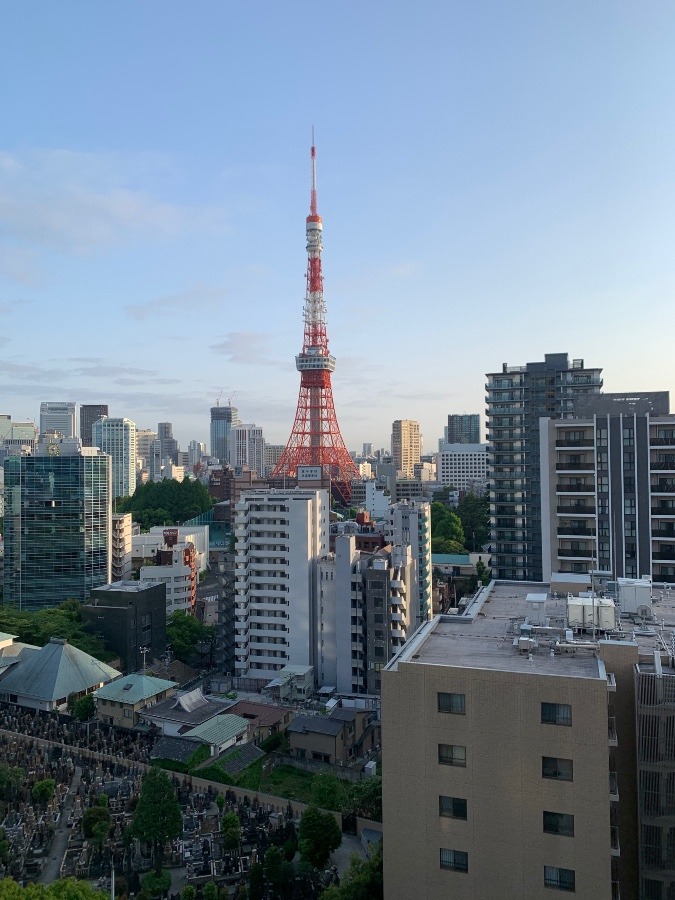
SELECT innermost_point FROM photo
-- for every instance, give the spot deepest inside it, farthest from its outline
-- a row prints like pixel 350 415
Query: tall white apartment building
pixel 410 523
pixel 406 446
pixel 280 538
pixel 248 448
pixel 174 566
pixel 122 527
pixel 117 438
pixel 464 466
pixel 58 416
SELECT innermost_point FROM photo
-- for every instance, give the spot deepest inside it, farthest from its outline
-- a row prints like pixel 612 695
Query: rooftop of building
pixel 129 587
pixel 134 688
pixel 487 636
pixel 189 709
pixel 219 730
pixel 263 714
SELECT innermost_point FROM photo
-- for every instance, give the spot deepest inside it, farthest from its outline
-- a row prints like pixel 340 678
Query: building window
pixel 554 767
pixel 451 755
pixel 561 879
pixel 558 823
pixel 451 703
pixel 451 807
pixel 454 859
pixel 556 714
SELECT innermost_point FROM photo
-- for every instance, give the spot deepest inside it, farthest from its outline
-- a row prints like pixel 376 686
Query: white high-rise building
pixel 248 448
pixel 463 466
pixel 117 438
pixel 122 527
pixel 196 449
pixel 59 417
pixel 410 523
pixel 280 538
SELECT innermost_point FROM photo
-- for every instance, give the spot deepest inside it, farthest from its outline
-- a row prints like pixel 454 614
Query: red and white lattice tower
pixel 315 439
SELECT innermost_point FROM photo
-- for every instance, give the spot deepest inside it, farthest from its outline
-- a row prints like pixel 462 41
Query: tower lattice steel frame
pixel 315 439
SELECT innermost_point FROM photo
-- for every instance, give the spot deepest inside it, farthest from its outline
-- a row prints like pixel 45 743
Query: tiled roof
pixel 174 748
pixel 218 730
pixel 186 709
pixel 133 688
pixel 260 713
pixel 315 725
pixel 54 672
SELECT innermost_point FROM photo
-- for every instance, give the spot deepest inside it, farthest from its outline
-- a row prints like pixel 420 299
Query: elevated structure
pixel 315 439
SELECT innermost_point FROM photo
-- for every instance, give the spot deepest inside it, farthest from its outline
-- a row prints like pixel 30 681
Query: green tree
pixel 156 883
pixel 64 621
pixel 366 798
pixel 96 824
pixel 185 633
pixel 446 524
pixel 474 513
pixel 362 880
pixel 166 502
pixel 318 836
pixel 231 830
pixel 43 791
pixel 210 891
pixel 482 572
pixel 443 545
pixel 63 889
pixel 256 885
pixel 84 708
pixel 328 792
pixel 189 892
pixel 272 867
pixel 157 817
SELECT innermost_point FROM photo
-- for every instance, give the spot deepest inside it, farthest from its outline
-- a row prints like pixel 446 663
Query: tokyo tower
pixel 315 439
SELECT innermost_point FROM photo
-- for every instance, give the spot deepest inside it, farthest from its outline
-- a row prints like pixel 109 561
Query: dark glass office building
pixel 57 525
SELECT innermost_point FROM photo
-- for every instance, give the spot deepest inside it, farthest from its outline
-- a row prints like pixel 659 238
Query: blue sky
pixel 496 182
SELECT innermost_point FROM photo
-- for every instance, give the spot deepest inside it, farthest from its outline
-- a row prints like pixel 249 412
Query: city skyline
pixel 495 183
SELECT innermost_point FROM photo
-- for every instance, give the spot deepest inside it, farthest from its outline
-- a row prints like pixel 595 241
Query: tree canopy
pixel 319 834
pixel 63 889
pixel 64 621
pixel 167 502
pixel 157 817
pixel 474 513
pixel 362 880
pixel 185 633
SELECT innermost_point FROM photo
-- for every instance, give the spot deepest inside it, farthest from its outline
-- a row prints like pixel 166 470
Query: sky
pixel 496 182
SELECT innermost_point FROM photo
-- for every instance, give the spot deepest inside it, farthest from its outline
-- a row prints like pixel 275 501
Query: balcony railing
pixel 614 840
pixel 662 441
pixel 616 893
pixel 576 466
pixel 611 682
pixel 577 532
pixel 664 532
pixel 668 555
pixel 660 509
pixel 613 787
pixel 578 553
pixel 575 488
pixel 611 732
pixel 666 464
pixel 582 442
pixel 581 510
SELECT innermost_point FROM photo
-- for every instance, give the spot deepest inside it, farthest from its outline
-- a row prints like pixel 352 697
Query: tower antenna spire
pixel 315 439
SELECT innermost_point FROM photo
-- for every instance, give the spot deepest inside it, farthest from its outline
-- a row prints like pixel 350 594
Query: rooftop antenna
pixel 144 652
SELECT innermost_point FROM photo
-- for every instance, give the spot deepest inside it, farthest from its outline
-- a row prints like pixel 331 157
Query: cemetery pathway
pixel 50 873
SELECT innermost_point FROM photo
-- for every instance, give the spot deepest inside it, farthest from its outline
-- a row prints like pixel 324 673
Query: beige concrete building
pixel 121 544
pixel 121 702
pixel 509 756
pixel 406 446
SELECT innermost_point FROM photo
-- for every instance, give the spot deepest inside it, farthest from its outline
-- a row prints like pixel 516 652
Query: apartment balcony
pixel 581 510
pixel 664 533
pixel 576 553
pixel 396 617
pixel 660 509
pixel 663 487
pixel 660 441
pixel 616 892
pixel 613 787
pixel 585 466
pixel 666 465
pixel 568 531
pixel 575 488
pixel 611 732
pixel 398 633
pixel 614 840
pixel 665 555
pixel 582 442
pixel 611 682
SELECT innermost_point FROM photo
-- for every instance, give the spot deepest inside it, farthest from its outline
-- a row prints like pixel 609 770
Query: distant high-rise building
pixel 58 417
pixel 57 524
pixel 117 438
pixel 169 443
pixel 272 456
pixel 90 413
pixel 462 429
pixel 406 446
pixel 196 449
pixel 144 439
pixel 248 448
pixel 367 449
pixel 517 398
pixel 122 527
pixel 223 418
pixel 463 466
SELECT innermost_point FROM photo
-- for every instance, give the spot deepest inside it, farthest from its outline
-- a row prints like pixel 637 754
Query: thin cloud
pixel 181 300
pixel 78 202
pixel 248 348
